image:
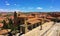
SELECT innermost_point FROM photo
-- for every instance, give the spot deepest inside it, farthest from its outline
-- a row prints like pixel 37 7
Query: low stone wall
pixel 37 31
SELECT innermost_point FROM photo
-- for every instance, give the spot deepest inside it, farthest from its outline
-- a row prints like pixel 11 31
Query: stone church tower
pixel 15 18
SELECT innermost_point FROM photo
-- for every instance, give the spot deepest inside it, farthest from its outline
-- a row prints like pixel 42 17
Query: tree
pixel 5 24
pixel 10 24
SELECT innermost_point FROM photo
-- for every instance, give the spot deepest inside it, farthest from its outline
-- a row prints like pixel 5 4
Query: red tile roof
pixel 12 17
pixel 1 24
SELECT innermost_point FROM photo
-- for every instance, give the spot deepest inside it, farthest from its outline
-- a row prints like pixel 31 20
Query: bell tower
pixel 15 18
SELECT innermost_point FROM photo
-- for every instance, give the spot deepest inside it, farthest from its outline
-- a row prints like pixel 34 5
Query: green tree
pixel 10 24
pixel 5 24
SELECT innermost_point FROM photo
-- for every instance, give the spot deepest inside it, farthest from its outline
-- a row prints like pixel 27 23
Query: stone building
pixel 28 22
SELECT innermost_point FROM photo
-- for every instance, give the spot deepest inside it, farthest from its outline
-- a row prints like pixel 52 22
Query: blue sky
pixel 30 5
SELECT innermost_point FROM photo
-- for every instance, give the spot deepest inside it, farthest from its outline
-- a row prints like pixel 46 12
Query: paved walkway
pixel 46 28
pixel 54 31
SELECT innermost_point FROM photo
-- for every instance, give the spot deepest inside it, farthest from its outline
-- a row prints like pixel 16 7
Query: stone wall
pixel 37 31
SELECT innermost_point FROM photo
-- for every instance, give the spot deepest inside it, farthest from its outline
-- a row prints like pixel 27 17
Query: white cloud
pixel 15 4
pixel 4 10
pixel 17 10
pixel 12 10
pixel 7 4
pixel 39 8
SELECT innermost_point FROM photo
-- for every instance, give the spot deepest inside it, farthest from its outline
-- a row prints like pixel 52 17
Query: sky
pixel 30 5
